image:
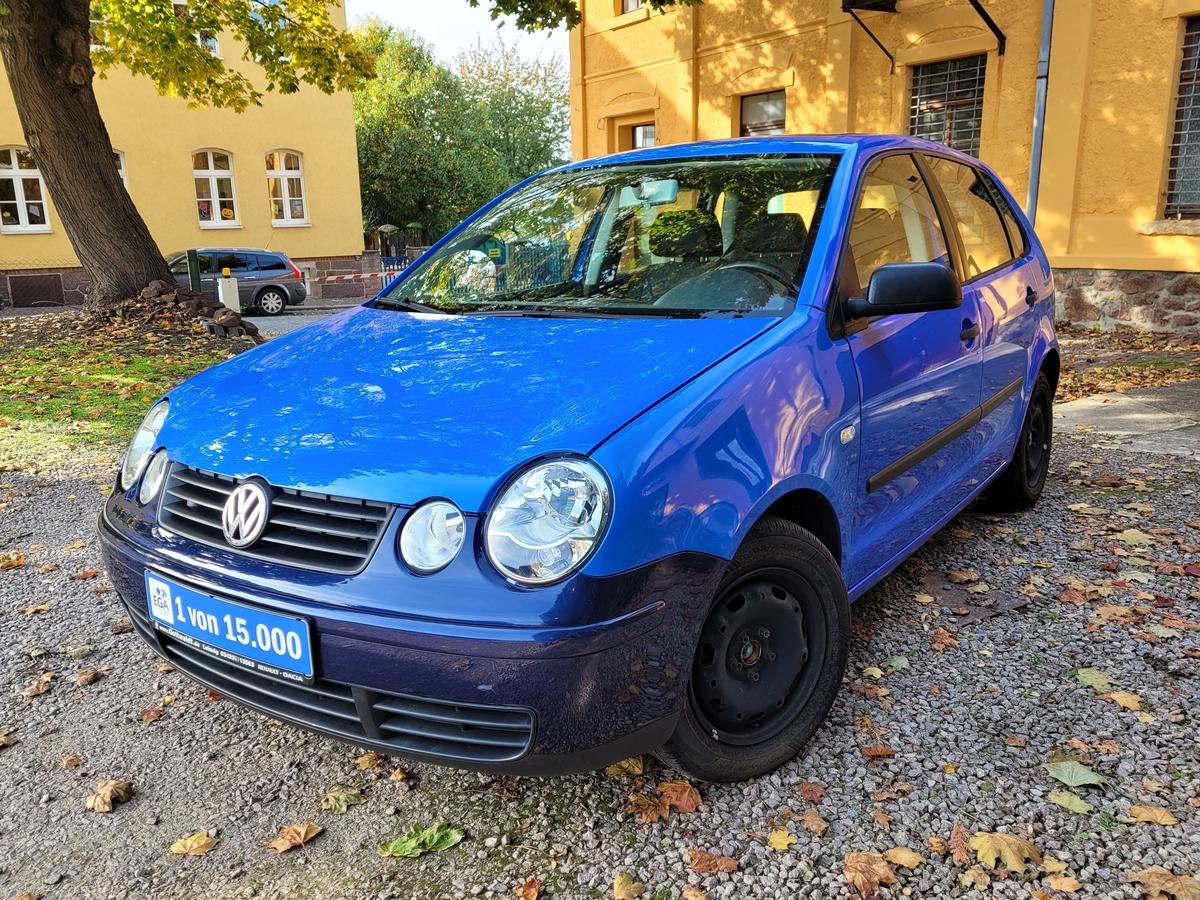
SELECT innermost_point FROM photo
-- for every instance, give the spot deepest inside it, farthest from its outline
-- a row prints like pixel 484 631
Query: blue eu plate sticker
pixel 264 641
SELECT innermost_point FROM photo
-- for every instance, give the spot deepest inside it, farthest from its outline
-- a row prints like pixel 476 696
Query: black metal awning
pixel 854 7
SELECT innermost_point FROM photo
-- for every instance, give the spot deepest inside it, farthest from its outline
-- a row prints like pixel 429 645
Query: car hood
pixel 399 407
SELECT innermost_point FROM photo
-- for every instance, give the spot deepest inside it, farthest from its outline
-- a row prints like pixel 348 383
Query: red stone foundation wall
pixel 1141 300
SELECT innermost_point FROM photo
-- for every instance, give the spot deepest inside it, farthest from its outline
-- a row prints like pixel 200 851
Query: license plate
pixel 264 641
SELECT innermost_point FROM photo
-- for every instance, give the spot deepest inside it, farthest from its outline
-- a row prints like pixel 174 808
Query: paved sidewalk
pixel 1155 420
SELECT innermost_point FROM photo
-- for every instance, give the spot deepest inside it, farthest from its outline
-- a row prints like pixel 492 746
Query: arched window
pixel 216 206
pixel 22 193
pixel 285 187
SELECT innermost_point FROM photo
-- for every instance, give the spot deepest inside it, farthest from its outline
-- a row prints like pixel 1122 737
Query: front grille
pixel 461 733
pixel 307 530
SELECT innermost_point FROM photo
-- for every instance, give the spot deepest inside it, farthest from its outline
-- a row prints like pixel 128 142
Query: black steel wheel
pixel 1020 485
pixel 769 658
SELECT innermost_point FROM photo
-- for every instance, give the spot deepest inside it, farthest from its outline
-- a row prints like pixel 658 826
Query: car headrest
pixel 685 233
pixel 772 233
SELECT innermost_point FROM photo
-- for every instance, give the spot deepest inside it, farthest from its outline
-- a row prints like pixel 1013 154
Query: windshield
pixel 698 237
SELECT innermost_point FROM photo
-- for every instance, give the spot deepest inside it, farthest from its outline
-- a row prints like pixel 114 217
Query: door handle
pixel 1031 296
pixel 970 331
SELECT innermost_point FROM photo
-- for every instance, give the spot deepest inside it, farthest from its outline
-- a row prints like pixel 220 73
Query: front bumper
pixel 537 702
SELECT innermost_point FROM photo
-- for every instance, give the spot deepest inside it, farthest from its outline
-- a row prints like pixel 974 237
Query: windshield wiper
pixel 410 305
pixel 546 312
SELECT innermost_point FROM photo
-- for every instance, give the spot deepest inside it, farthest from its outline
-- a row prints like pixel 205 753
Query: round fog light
pixel 432 536
pixel 156 471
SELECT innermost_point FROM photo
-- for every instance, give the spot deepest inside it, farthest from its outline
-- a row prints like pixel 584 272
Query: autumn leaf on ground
pixel 198 844
pixel 867 871
pixel 529 889
pixel 418 841
pixel 648 809
pixel 780 839
pixel 1159 883
pixel 704 863
pixel 341 797
pixel 1069 801
pixel 1124 699
pixel 150 715
pixel 626 888
pixel 691 892
pixel 991 846
pixel 960 849
pixel 938 845
pixel 979 587
pixel 878 751
pixel 369 760
pixel 6 737
pixel 924 599
pixel 903 856
pixel 1153 815
pixel 399 774
pixel 108 794
pixel 292 836
pixel 941 639
pixel 40 685
pixel 962 576
pixel 88 676
pixel 1134 538
pixel 813 823
pixel 72 762
pixel 632 766
pixel 680 795
pixel 1095 679
pixel 974 878
pixel 1073 774
pixel 812 792
pixel 1064 883
pixel 882 819
pixel 35 610
pixel 11 559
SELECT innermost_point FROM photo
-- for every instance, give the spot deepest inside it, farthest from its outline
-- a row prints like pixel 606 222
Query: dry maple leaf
pixel 691 892
pixel 1154 815
pixel 879 751
pixel 150 715
pixel 991 846
pixel 34 610
pixel 292 836
pixel 88 676
pixel 198 844
pixel 780 839
pixel 626 888
pixel 1158 883
pixel 867 871
pixel 812 792
pixel 369 760
pixel 680 795
pixel 938 845
pixel 1064 883
pixel 11 559
pixel 941 639
pixel 813 823
pixel 882 819
pixel 40 685
pixel 6 737
pixel 647 809
pixel 85 574
pixel 704 863
pixel 1124 699
pixel 974 878
pixel 904 856
pixel 632 766
pixel 108 794
pixel 529 889
pixel 72 762
pixel 962 576
pixel 960 849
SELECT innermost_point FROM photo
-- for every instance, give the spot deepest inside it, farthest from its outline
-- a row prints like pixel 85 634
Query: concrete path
pixel 1156 420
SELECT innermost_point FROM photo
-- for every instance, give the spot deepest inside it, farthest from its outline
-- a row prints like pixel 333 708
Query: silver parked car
pixel 266 279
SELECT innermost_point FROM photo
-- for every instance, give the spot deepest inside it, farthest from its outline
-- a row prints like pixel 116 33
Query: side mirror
pixel 907 288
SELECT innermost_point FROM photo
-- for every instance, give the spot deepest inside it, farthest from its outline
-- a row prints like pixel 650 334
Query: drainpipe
pixel 1039 110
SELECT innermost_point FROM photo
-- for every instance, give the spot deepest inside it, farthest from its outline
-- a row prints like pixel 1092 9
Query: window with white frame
pixel 119 162
pixel 285 187
pixel 204 39
pixel 216 205
pixel 22 193
pixel 630 5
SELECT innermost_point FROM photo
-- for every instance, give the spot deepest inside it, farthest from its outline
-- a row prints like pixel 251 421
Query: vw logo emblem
pixel 244 517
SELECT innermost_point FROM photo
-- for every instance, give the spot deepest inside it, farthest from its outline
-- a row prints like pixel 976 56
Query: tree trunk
pixel 45 45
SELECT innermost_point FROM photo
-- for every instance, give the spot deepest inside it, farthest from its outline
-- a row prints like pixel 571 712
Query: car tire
pixel 1020 484
pixel 769 660
pixel 272 301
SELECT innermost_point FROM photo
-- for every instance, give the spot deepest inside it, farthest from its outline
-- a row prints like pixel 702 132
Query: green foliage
pixel 293 41
pixel 536 15
pixel 418 841
pixel 433 145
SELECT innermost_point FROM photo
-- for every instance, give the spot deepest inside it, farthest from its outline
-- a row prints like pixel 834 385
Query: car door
pixel 248 277
pixel 1007 283
pixel 919 375
pixel 208 275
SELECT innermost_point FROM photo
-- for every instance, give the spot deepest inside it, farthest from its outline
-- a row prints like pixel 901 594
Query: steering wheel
pixel 775 273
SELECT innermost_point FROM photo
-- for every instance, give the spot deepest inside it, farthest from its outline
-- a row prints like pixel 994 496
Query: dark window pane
pixel 764 113
pixel 1183 178
pixel 947 102
pixel 271 263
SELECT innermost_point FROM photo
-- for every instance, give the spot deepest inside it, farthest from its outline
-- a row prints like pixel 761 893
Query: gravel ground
pixel 970 726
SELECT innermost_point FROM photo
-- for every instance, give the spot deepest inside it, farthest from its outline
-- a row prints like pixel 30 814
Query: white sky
pixel 451 26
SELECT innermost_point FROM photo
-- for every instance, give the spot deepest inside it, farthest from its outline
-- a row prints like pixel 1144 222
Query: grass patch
pixel 66 389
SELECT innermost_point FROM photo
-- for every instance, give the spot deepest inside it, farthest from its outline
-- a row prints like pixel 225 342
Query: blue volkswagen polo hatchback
pixel 602 471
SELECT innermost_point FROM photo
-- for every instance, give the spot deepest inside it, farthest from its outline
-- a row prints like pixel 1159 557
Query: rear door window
pixel 268 263
pixel 984 237
pixel 895 221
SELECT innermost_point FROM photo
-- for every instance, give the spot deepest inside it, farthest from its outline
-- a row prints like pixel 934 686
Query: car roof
pixel 773 144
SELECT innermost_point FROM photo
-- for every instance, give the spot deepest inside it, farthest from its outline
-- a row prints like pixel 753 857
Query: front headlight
pixel 142 445
pixel 432 536
pixel 548 521
pixel 156 472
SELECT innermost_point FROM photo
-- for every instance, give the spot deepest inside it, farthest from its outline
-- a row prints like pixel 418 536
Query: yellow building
pixel 283 176
pixel 1118 187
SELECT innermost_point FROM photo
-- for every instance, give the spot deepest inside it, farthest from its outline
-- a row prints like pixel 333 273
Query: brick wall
pixel 340 291
pixel 1146 301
